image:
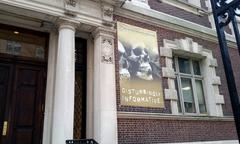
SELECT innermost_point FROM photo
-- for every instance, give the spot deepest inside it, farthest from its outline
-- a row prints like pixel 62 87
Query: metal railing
pixel 81 141
pixel 224 12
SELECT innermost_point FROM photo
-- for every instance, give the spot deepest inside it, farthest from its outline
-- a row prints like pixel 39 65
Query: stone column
pixel 63 105
pixel 52 52
pixel 90 82
pixel 105 113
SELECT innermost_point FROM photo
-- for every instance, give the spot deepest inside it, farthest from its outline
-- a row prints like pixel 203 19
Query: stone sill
pixel 162 116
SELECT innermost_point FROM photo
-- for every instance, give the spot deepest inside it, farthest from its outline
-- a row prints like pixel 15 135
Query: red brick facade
pixel 147 131
pixel 180 13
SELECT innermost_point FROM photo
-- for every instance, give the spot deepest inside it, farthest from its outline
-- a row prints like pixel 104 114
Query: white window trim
pixel 187 47
pixel 193 78
pixel 196 3
pixel 231 26
pixel 140 3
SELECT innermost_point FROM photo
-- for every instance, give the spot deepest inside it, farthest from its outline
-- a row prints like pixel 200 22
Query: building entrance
pixel 80 89
pixel 22 97
pixel 22 85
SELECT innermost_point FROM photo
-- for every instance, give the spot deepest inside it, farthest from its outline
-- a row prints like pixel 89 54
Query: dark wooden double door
pixel 21 102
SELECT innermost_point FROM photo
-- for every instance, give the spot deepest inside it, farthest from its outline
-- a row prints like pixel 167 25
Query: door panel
pixel 26 96
pixel 4 79
pixel 80 89
pixel 24 136
pixel 78 106
pixel 28 101
pixel 23 61
pixel 25 105
pixel 21 102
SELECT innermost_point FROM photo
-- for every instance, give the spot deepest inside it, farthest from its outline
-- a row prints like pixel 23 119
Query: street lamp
pixel 224 12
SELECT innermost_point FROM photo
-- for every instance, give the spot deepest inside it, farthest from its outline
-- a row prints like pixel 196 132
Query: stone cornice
pixel 50 10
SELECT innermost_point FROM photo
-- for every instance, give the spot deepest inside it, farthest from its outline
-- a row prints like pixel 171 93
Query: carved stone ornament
pixel 107 50
pixel 71 8
pixel 107 15
pixel 71 2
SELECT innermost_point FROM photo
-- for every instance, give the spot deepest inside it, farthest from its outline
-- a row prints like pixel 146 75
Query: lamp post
pixel 224 12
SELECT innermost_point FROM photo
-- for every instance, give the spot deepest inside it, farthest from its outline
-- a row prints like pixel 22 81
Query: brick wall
pixel 147 131
pixel 171 35
pixel 164 81
pixel 171 10
pixel 151 131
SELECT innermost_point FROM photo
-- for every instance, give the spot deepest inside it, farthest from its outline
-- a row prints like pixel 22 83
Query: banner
pixel 139 67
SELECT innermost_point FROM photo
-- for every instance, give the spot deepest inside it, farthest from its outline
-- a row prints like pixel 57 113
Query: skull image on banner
pixel 139 67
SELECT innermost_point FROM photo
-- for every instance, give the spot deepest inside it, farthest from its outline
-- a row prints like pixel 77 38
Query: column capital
pixel 104 31
pixel 67 23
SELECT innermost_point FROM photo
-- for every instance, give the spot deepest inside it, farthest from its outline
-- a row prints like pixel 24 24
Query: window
pixel 196 82
pixel 193 2
pixel 23 43
pixel 189 85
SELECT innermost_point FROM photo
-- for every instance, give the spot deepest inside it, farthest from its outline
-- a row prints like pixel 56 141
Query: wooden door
pixel 5 72
pixel 23 106
pixel 80 89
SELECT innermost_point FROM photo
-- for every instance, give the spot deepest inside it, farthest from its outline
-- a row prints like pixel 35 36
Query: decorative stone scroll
pixel 71 2
pixel 107 50
pixel 104 37
pixel 107 15
pixel 71 7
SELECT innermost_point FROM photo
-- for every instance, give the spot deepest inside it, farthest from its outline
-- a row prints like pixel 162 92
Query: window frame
pixel 193 78
pixel 186 47
pixel 190 2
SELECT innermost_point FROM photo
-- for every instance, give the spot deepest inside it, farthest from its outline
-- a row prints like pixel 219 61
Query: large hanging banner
pixel 139 67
